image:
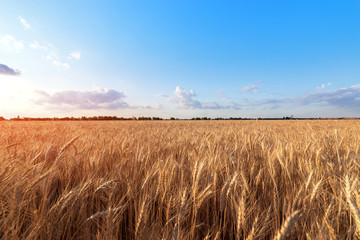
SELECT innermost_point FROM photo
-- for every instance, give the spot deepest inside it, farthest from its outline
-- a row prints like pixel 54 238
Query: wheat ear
pixel 287 225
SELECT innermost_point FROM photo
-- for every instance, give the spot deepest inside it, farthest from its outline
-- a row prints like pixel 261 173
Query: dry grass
pixel 180 180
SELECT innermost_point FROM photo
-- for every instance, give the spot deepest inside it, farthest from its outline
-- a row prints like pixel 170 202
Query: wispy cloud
pixel 322 86
pixel 36 45
pixel 5 70
pixel 342 98
pixel 156 106
pixel 252 88
pixel 54 57
pixel 185 99
pixel 345 98
pixel 61 64
pixel 97 98
pixel 221 95
pixel 10 44
pixel 75 55
pixel 25 24
pixel 51 53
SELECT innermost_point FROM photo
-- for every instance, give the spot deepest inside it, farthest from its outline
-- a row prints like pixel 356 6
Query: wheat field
pixel 294 179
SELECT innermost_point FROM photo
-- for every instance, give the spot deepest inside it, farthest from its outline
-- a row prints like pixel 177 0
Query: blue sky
pixel 180 58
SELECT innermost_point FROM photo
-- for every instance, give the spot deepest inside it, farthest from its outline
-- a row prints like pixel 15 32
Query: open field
pixel 180 180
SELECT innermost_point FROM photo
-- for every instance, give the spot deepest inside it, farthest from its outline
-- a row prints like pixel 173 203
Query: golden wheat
pixel 180 180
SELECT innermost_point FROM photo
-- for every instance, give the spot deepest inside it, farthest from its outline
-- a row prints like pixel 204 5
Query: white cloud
pixel 75 55
pixel 97 98
pixel 343 98
pixel 25 24
pixel 60 64
pixel 10 44
pixel 52 53
pixel 36 45
pixel 252 88
pixel 322 86
pixel 184 99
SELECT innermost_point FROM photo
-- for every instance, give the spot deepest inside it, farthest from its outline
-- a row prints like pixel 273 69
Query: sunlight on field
pixel 180 180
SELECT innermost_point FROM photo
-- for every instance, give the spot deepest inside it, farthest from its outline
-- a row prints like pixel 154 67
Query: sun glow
pixel 14 94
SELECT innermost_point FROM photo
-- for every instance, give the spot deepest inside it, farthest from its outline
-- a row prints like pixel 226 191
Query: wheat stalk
pixel 287 226
pixel 355 212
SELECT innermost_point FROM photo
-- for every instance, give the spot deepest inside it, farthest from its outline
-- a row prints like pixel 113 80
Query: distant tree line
pixel 115 118
pixel 83 118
